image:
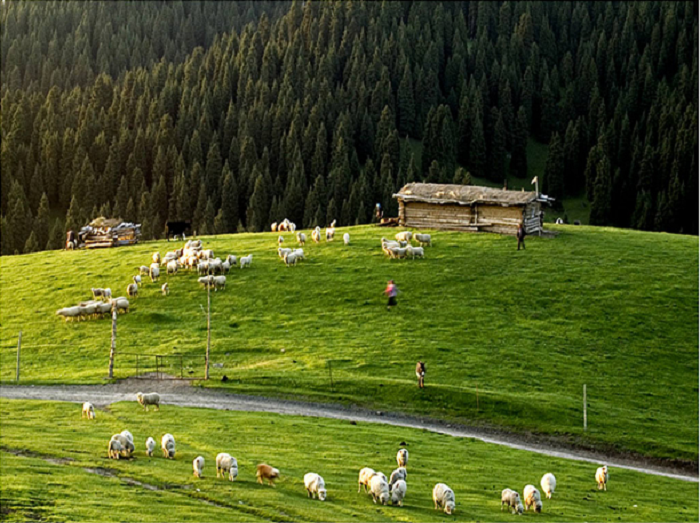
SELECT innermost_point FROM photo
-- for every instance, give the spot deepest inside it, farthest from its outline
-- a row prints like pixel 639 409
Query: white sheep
pixel 122 304
pixel 548 484
pixel 290 259
pixel 107 293
pixel 316 234
pixel 114 449
pixel 127 445
pixel 198 466
pixel 280 240
pixel 88 411
pixel 330 234
pixel 172 267
pixel 532 498
pixel 127 435
pixel 315 486
pixel 404 236
pixel 203 267
pixel 301 238
pixel 148 399
pixel 246 261
pixel 402 457
pixel 444 498
pixel 167 445
pixel 601 477
pixel 165 289
pixel 69 312
pixel 379 489
pixel 282 252
pixel 225 267
pixel 398 492
pixel 144 270
pixel 299 253
pixel 399 473
pixel 132 290
pixel 216 266
pixel 415 251
pixel 156 257
pixel 154 272
pixel 423 239
pixel 137 279
pixel 225 463
pixel 97 293
pixel 206 281
pixel 346 238
pixel 219 282
pixel 232 260
pixel 273 227
pixel 364 478
pixel 150 446
pixel 511 499
pixel 292 226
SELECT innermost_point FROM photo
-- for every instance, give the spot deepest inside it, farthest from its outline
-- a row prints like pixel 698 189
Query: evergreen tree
pixel 258 208
pixel 554 169
pixel 41 222
pixel 477 149
pixel 229 202
pixel 497 151
pixel 518 159
pixel 56 237
pixel 31 244
pixel 406 104
pixel 600 207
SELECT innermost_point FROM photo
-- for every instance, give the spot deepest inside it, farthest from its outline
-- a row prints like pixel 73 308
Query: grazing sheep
pixel 150 446
pixel 559 221
pixel 280 240
pixel 219 282
pixel 397 252
pixel 282 252
pixel 114 449
pixel 398 492
pixel 292 226
pixel 283 226
pixel 107 294
pixel 301 238
pixel 148 399
pixel 225 463
pixel 69 312
pixel 402 457
pixel 511 499
pixel 273 227
pixel 127 445
pixel 415 251
pixel 548 484
pixel 444 498
pixel 246 261
pixel 122 304
pixel 232 260
pixel 399 473
pixel 167 445
pixel 144 270
pixel 601 477
pixel 127 435
pixel 132 290
pixel 364 478
pixel 206 281
pixel 315 486
pixel 156 257
pixel 97 293
pixel 265 471
pixel 88 411
pixel 423 239
pixel 203 267
pixel 330 234
pixel 404 236
pixel 316 234
pixel 532 498
pixel 137 279
pixel 225 267
pixel 216 266
pixel 154 273
pixel 379 489
pixel 291 259
pixel 198 466
pixel 346 238
pixel 172 267
pixel 165 289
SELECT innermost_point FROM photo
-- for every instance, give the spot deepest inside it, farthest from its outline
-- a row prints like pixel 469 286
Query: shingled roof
pixel 462 194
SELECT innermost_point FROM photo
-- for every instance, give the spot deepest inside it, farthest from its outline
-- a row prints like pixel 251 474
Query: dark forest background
pixel 236 114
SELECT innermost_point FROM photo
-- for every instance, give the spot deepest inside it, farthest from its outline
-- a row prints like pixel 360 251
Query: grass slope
pixel 32 488
pixel 613 309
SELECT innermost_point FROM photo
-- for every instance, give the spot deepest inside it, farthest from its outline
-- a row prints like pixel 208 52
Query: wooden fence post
pixel 113 348
pixel 585 413
pixel 19 346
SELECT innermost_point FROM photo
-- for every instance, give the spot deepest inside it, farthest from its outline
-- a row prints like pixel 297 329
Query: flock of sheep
pixel 95 308
pixel 375 483
pixel 402 248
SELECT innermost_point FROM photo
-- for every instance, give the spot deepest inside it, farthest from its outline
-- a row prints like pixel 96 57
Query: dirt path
pixel 175 392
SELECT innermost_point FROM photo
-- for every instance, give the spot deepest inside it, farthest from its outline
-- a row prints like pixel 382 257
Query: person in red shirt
pixel 391 291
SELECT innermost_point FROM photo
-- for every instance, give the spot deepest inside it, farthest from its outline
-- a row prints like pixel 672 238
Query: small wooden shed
pixel 470 208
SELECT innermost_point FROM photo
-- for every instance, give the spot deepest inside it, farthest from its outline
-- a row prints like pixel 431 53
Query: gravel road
pixel 176 392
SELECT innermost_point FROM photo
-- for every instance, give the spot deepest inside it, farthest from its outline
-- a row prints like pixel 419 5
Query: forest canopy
pixel 233 115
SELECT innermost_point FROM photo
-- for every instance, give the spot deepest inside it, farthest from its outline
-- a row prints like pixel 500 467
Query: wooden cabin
pixel 470 208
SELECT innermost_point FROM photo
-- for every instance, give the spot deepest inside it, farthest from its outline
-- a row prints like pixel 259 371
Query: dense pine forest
pixel 236 114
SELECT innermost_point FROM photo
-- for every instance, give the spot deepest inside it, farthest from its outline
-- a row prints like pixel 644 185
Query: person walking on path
pixel 521 236
pixel 391 291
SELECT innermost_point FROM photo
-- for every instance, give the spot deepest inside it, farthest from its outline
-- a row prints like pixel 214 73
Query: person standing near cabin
pixel 391 291
pixel 520 234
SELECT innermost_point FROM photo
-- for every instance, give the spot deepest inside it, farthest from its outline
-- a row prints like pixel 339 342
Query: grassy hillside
pixel 613 309
pixel 62 489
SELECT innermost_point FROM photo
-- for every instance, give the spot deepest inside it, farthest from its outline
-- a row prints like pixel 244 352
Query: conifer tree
pixel 31 245
pixel 554 169
pixel 56 237
pixel 41 222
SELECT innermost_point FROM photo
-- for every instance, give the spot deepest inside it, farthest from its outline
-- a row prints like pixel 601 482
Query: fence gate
pixel 162 366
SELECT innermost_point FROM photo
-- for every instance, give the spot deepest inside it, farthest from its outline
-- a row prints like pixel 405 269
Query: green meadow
pixel 509 337
pixel 47 453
